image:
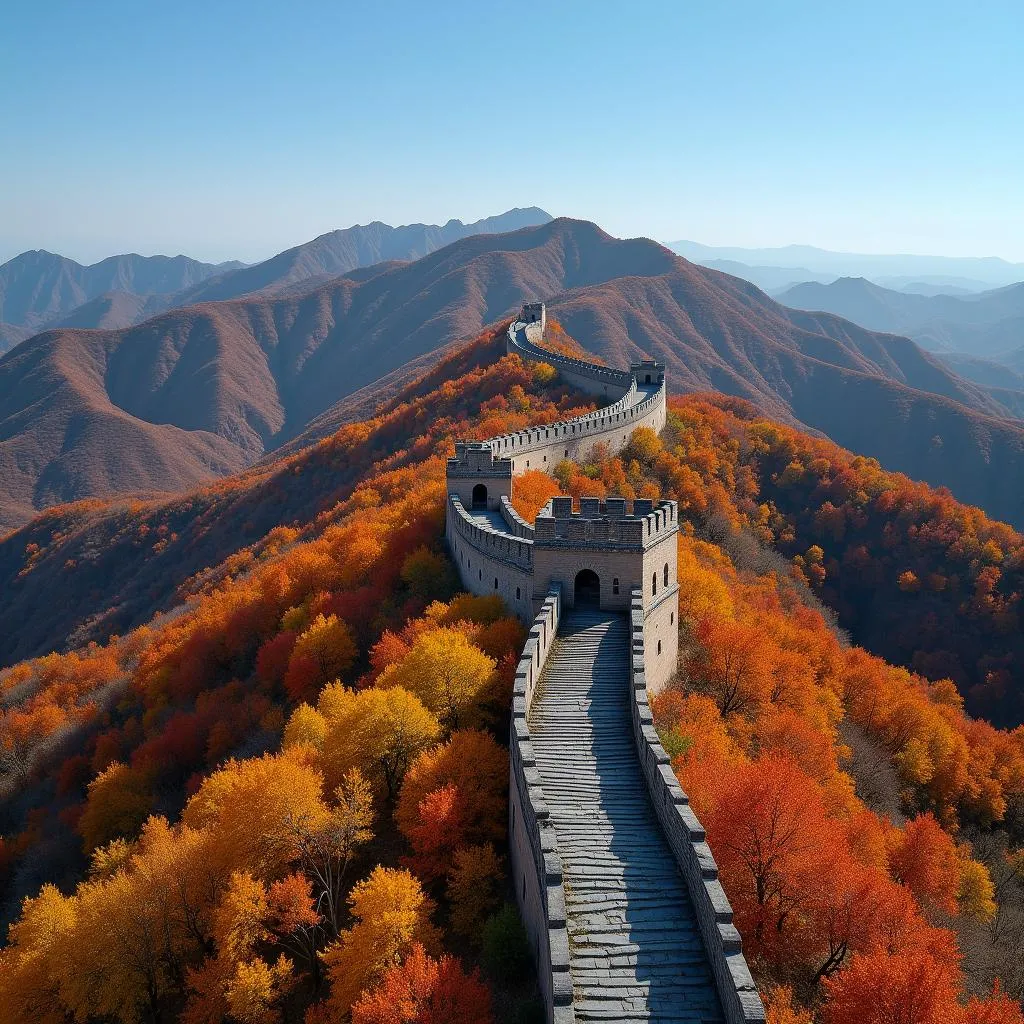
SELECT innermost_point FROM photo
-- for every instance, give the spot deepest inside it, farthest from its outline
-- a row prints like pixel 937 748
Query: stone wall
pixel 737 991
pixel 514 521
pixel 603 381
pixel 635 558
pixel 536 868
pixel 490 562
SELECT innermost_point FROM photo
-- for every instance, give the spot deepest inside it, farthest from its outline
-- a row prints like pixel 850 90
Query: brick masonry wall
pixel 740 1001
pixel 536 868
pixel 490 563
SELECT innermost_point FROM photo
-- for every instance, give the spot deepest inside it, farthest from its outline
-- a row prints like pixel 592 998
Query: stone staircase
pixel 635 950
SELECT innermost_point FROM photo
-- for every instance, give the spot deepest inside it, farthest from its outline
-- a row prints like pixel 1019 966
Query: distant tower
pixel 534 313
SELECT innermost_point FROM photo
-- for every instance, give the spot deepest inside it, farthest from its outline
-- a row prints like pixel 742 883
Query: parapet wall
pixel 491 562
pixel 741 1003
pixel 605 524
pixel 536 868
pixel 589 377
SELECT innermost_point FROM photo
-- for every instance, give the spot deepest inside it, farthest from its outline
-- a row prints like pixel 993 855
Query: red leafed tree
pixel 440 828
pixel 879 988
pixel 999 1008
pixel 425 991
pixel 924 859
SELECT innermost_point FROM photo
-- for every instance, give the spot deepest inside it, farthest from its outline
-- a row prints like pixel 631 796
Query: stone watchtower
pixel 534 313
pixel 601 554
pixel 478 477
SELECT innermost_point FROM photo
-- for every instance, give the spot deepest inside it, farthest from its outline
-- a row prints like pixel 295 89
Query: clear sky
pixel 232 130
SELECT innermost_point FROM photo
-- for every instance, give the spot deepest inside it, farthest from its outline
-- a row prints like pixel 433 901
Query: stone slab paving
pixel 635 950
pixel 492 518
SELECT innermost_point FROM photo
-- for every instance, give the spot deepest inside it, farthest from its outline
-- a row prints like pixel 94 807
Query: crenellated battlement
pixel 477 458
pixel 605 523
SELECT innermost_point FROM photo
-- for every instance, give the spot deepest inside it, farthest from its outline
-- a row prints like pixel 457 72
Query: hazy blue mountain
pixel 987 325
pixel 347 249
pixel 933 285
pixel 960 271
pixel 38 288
pixel 768 279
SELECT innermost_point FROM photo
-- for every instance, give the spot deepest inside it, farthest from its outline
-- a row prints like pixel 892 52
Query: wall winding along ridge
pixel 624 562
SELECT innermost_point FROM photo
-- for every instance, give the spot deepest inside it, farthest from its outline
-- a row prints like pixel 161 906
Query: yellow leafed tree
pixel 447 672
pixel 391 912
pixel 377 731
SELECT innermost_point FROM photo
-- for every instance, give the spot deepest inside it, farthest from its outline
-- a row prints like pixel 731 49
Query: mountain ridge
pixel 244 377
pixel 41 290
pixel 984 325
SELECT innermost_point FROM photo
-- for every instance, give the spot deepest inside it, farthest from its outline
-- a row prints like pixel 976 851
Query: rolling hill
pixel 217 385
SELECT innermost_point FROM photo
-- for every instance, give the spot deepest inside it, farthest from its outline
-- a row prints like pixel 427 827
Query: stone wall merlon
pixel 607 418
pixel 605 524
pixel 737 991
pixel 474 458
pixel 520 336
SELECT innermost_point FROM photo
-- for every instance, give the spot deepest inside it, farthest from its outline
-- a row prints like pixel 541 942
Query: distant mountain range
pixel 40 290
pixel 204 390
pixel 942 274
pixel 988 325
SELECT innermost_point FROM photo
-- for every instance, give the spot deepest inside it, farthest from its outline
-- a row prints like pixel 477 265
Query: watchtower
pixel 602 552
pixel 648 372
pixel 534 313
pixel 477 477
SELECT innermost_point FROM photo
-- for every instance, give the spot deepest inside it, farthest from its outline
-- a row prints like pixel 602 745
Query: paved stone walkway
pixel 635 951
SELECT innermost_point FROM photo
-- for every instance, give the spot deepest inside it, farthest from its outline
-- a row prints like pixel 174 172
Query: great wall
pixel 616 885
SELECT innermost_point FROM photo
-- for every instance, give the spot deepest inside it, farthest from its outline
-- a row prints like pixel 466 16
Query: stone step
pixel 635 948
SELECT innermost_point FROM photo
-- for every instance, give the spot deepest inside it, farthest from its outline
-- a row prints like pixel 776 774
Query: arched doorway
pixel 587 589
pixel 480 497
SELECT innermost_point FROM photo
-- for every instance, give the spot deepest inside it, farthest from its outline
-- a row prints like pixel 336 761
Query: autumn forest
pixel 265 780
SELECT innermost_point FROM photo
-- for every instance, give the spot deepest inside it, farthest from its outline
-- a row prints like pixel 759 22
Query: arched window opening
pixel 479 497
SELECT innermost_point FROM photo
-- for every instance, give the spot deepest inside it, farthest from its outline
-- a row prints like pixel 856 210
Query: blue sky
pixel 233 130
